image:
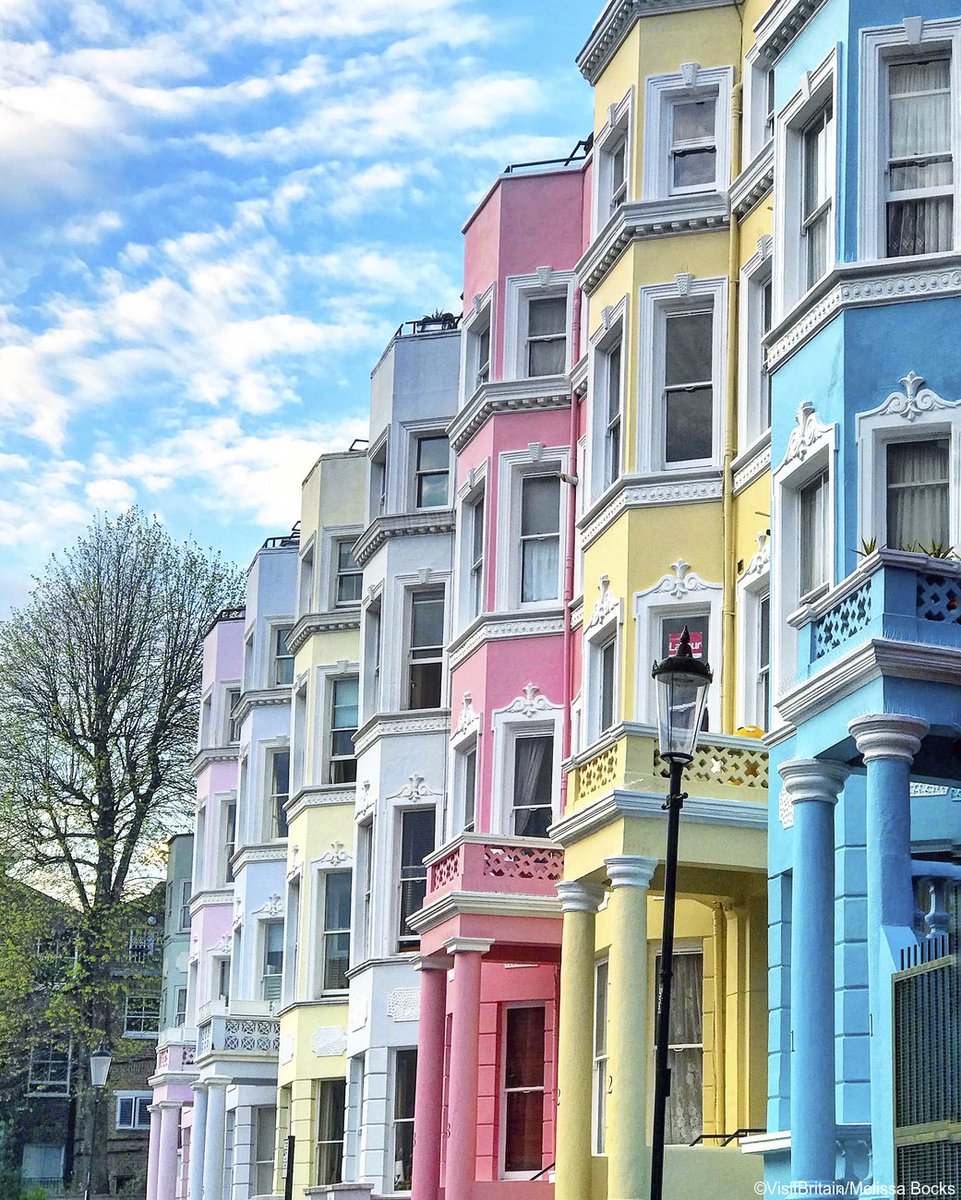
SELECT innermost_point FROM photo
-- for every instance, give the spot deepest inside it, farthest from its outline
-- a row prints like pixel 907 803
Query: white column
pixel 214 1135
pixel 153 1151
pixel 195 1169
pixel 167 1159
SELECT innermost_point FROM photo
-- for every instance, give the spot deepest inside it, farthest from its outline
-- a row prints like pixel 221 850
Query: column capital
pixel 218 1081
pixel 430 962
pixel 468 945
pixel 579 897
pixel 631 870
pixel 888 735
pixel 807 779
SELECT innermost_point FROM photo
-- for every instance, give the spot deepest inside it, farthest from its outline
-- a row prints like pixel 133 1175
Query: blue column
pixel 813 787
pixel 888 744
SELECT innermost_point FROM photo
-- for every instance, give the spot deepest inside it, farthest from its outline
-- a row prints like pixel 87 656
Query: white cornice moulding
pixel 405 524
pixel 754 182
pixel 631 493
pixel 401 724
pixel 752 463
pixel 506 396
pixel 500 627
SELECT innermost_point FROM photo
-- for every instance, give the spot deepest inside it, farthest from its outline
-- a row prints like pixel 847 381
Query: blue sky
pixel 213 215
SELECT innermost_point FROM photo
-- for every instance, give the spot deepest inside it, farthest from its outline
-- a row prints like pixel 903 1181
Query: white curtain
pixel 917 494
pixel 920 128
pixel 539 569
pixel 685 1103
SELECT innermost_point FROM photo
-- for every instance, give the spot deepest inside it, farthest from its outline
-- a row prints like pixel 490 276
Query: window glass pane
pixel 405 1074
pixel 540 505
pixel 694 119
pixel 607 685
pixel 344 716
pixel 547 317
pixel 331 1105
pixel 428 620
pixel 417 841
pixel 811 500
pixel 918 493
pixel 477 530
pixel 547 358
pixel 685 1103
pixel 337 888
pixel 689 425
pixel 337 905
pixel 688 348
pixel 695 167
pixel 432 454
pixel 764 630
pixel 533 785
pixel 524 1069
pixel 600 1009
pixel 697 626
pixel 470 788
pixel 273 947
pixel 614 382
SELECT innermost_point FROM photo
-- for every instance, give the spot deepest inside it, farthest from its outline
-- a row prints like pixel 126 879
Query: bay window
pixel 405 1079
pixel 416 842
pixel 432 472
pixel 273 963
pixel 343 728
pixel 336 927
pixel 540 536
pixel 693 152
pixel 812 534
pixel 426 649
pixel 546 335
pixel 918 494
pixel 688 390
pixel 331 1107
pixel 522 1098
pixel 920 165
pixel 533 784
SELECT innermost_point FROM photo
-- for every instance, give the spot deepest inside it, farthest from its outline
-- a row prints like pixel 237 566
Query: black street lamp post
pixel 682 683
pixel 99 1066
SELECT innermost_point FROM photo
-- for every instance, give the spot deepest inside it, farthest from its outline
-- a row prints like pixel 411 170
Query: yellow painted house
pixel 674 480
pixel 320 838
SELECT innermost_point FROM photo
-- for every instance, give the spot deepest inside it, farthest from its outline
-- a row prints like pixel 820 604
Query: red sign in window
pixel 697 642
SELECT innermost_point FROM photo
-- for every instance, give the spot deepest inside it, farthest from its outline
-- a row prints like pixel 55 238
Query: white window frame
pixel 392 1114
pixel 877 429
pixel 307 577
pixel 224 874
pixel 752 588
pixel 338 539
pixel 913 38
pixel 520 290
pixel 473 490
pixel 425 432
pixel 677 596
pixel 275 658
pixel 180 990
pixel 790 247
pixel 139 1108
pixel 655 304
pixel 379 500
pixel 216 973
pixel 410 944
pixel 757 69
pixel 616 132
pixel 257 1164
pixel 503 1173
pixel 328 681
pixel 474 324
pixel 600 1073
pixel 756 274
pixel 611 333
pixel 186 891
pixel 435 585
pixel 812 449
pixel 271 810
pixel 141 1015
pixel 662 92
pixel 321 874
pixel 319 1142
pixel 513 466
pixel 465 740
pixel 604 627
pixel 262 947
pixel 230 725
pixel 529 714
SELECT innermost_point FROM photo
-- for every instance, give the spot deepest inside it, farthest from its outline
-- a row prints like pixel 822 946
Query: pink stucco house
pixel 490 926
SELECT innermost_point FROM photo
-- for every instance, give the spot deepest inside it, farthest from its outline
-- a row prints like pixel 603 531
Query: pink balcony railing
pixel 481 863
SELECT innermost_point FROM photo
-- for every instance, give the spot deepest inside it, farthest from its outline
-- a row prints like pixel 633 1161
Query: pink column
pixel 167 1164
pixel 462 1097
pixel 429 1098
pixel 153 1152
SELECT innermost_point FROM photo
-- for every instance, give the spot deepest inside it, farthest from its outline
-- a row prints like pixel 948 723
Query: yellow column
pixel 579 903
pixel 628 1137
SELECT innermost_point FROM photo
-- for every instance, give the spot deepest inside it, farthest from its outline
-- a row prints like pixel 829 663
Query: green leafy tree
pixel 100 675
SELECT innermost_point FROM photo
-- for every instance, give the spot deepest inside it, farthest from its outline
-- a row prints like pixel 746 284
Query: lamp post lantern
pixel 682 683
pixel 100 1061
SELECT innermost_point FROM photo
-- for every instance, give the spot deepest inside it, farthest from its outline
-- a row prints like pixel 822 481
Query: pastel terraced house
pixel 490 924
pixel 312 1069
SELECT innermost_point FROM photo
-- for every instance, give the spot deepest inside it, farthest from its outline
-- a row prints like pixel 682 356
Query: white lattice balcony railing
pixel 482 863
pixel 177 1051
pixel 238 1035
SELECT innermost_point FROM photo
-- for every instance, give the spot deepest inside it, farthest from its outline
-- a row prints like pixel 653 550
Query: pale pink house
pixel 211 911
pixel 490 926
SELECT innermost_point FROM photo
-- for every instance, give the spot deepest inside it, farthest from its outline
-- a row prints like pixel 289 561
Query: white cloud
pixel 114 495
pixel 90 229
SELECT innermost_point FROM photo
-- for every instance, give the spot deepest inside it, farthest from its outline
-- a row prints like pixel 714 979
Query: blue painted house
pixel 865 363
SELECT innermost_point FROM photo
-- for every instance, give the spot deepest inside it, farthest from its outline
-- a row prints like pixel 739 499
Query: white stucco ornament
pixel 914 401
pixel 806 434
pixel 337 856
pixel 329 1041
pixel 530 702
pixel 468 718
pixel 607 603
pixel 274 906
pixel 403 1004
